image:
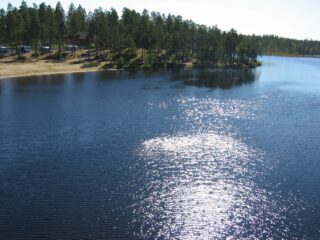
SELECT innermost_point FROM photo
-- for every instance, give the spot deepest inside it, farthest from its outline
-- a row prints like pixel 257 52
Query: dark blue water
pixel 185 155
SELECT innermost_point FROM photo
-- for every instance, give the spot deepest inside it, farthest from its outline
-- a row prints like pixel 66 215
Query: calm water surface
pixel 188 155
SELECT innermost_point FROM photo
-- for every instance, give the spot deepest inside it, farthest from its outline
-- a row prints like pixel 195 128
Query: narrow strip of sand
pixel 21 69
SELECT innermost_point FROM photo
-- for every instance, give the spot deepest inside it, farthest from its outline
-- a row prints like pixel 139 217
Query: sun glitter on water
pixel 202 185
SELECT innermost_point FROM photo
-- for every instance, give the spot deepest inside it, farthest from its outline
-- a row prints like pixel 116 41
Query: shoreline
pixel 290 55
pixel 65 67
pixel 52 73
pixel 9 68
pixel 9 77
pixel 14 70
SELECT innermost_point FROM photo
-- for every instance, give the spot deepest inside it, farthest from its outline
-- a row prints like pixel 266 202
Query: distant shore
pixel 291 55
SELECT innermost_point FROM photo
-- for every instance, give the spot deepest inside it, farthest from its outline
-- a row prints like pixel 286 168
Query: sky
pixel 298 19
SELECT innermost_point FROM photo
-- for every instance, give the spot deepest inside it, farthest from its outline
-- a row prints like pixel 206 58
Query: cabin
pixel 82 39
pixel 24 49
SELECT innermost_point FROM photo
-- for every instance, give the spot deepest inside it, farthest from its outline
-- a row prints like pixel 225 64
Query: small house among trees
pixel 81 39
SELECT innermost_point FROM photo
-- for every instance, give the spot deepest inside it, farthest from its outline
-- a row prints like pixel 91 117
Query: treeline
pixel 133 36
pixel 271 44
pixel 158 37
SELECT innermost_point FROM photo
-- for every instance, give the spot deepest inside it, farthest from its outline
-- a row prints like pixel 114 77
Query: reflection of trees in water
pixel 223 79
pixel 45 79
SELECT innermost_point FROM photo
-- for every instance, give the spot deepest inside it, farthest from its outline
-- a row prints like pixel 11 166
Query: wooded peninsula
pixel 103 39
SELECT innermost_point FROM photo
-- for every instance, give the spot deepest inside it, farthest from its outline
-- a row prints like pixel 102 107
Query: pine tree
pixel 59 26
pixel 165 38
pixel 3 26
pixel 34 26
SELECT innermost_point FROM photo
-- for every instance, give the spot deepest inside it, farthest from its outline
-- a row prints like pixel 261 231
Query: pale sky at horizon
pixel 298 19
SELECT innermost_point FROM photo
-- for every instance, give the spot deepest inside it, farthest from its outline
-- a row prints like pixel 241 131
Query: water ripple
pixel 205 183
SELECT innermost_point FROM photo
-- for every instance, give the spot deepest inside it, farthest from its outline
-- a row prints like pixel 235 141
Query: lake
pixel 169 155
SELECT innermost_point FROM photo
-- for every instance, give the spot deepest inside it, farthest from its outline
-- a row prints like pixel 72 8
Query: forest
pixel 138 39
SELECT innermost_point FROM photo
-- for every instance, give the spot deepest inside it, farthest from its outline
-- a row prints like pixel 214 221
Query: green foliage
pixel 37 54
pixel 134 64
pixel 270 44
pixel 120 63
pixel 162 40
pixel 59 55
pixel 59 18
pixel 90 65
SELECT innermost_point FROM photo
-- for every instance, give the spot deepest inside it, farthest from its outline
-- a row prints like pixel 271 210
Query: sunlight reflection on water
pixel 203 184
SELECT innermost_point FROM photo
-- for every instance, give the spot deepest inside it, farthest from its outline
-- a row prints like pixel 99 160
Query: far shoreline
pixel 290 55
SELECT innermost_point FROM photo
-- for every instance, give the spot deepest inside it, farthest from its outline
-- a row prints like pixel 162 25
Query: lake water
pixel 185 155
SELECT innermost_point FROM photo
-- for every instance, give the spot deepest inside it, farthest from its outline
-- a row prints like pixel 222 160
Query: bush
pixel 134 64
pixel 35 54
pixel 61 56
pixel 129 54
pixel 120 63
pixel 90 65
pixel 22 58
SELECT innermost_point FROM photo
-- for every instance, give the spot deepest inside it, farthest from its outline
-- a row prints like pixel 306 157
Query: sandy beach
pixel 10 69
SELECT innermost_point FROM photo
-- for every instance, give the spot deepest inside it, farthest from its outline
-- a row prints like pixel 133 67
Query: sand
pixel 10 67
pixel 41 67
